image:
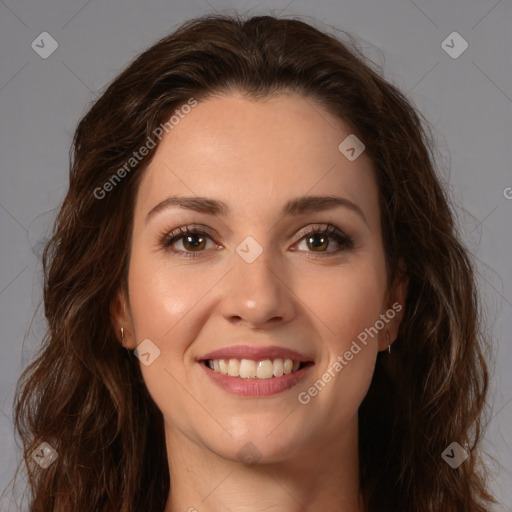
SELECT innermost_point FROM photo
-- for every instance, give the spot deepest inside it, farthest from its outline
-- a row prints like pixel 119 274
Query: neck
pixel 323 476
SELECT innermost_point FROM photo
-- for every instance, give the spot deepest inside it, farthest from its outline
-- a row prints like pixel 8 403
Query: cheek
pixel 348 300
pixel 162 299
pixel 160 296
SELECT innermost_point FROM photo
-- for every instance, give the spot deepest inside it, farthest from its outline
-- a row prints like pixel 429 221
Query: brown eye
pixel 193 241
pixel 319 240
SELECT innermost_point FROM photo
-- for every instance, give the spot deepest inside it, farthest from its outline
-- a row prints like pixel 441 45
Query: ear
pixel 395 308
pixel 120 318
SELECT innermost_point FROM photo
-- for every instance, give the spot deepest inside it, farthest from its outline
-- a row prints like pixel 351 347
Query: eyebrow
pixel 297 206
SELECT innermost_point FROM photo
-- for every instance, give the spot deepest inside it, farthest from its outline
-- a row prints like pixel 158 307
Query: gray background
pixel 468 100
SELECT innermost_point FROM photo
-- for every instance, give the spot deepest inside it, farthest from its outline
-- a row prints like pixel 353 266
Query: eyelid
pixel 319 227
pixel 189 228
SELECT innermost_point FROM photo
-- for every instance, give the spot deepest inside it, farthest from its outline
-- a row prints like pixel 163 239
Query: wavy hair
pixel 85 396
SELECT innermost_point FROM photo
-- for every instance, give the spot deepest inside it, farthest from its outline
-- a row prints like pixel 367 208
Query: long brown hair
pixel 84 395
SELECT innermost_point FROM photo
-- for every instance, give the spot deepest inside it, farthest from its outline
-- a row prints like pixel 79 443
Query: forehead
pixel 256 153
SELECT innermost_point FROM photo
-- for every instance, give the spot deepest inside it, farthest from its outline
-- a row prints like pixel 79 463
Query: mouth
pixel 255 371
pixel 261 369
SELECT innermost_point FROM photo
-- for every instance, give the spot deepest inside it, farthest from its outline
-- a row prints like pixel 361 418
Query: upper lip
pixel 256 353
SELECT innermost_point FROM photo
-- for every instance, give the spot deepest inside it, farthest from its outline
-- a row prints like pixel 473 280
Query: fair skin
pixel 254 157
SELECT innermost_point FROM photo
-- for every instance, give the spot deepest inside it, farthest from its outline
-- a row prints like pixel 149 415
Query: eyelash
pixel 167 239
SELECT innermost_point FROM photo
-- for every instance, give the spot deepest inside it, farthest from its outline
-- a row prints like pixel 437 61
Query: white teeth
pixel 265 369
pixel 247 369
pixel 223 366
pixel 234 368
pixel 278 368
pixel 250 369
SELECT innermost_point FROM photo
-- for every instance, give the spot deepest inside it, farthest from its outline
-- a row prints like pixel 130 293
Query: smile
pixel 254 386
pixel 251 369
pixel 255 371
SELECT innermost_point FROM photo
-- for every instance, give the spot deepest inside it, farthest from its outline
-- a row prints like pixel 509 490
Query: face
pixel 260 275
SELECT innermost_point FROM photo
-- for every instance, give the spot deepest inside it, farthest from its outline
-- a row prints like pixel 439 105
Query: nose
pixel 257 294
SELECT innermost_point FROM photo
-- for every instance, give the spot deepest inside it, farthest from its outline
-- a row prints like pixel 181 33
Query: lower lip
pixel 255 387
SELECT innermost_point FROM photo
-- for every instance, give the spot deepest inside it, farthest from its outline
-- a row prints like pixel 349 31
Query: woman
pixel 256 295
